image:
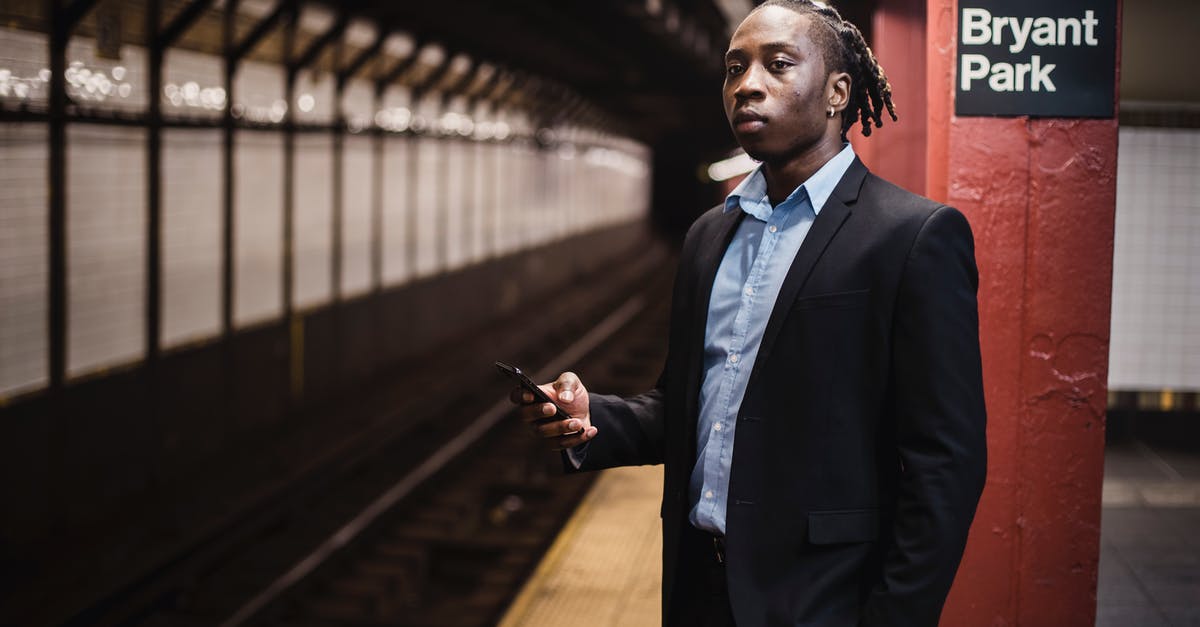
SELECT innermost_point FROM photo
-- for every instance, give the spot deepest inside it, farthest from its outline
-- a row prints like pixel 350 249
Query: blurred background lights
pixel 736 165
pixel 277 111
pixel 306 102
pixel 191 95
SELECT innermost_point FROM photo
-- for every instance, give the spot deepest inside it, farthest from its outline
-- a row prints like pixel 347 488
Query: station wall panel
pixel 358 103
pixel 458 192
pixel 506 206
pixel 106 246
pixel 564 186
pixel 530 199
pixel 24 55
pixel 428 209
pixel 192 224
pixel 397 154
pixel 358 166
pixel 314 101
pixel 1156 262
pixel 482 197
pixel 529 196
pixel 193 85
pixel 257 227
pixel 313 220
pixel 111 84
pixel 24 275
pixel 258 90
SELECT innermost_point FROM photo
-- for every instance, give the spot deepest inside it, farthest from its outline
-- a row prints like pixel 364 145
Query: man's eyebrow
pixel 773 46
pixel 781 45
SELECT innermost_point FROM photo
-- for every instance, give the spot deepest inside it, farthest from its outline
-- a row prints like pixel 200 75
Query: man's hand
pixel 572 397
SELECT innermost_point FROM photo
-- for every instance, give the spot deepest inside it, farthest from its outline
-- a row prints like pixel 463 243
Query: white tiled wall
pixel 1156 264
pixel 106 235
pixel 397 151
pixel 257 227
pixel 320 88
pixel 114 84
pixel 468 200
pixel 458 192
pixel 358 166
pixel 358 103
pixel 258 90
pixel 430 184
pixel 24 55
pixel 313 220
pixel 507 224
pixel 191 235
pixel 130 68
pixel 23 267
pixel 205 97
pixel 481 202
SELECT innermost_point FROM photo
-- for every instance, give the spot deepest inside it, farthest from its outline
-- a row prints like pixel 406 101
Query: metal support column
pixel 227 125
pixel 154 125
pixel 295 326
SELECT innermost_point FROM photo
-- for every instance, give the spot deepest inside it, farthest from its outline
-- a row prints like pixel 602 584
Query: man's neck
pixel 783 178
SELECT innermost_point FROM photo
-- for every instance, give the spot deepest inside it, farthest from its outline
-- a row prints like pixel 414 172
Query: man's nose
pixel 749 85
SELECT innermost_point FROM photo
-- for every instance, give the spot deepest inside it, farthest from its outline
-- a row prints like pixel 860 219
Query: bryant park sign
pixel 1036 58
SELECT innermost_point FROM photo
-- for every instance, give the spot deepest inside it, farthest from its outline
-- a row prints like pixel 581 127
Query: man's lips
pixel 748 122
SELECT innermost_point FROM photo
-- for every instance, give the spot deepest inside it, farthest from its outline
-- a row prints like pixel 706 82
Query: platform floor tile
pixel 604 569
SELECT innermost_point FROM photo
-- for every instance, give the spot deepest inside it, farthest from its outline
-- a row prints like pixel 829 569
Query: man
pixel 821 410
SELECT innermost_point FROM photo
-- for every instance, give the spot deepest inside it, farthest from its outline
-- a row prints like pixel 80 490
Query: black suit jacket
pixel 859 451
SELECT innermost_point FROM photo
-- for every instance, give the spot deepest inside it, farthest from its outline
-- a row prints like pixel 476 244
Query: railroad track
pixel 438 518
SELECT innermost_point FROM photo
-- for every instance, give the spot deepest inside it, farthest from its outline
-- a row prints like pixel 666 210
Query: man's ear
pixel 837 89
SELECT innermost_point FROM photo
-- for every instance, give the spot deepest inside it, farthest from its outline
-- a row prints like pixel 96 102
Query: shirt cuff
pixel 576 455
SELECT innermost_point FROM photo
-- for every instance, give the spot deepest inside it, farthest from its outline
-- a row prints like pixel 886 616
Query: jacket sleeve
pixel 629 432
pixel 940 424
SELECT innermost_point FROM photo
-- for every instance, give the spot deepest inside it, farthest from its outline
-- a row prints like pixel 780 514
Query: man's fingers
pixel 559 428
pixel 567 385
pixel 520 396
pixel 575 439
pixel 533 413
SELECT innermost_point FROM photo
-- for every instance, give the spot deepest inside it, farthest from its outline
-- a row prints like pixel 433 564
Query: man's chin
pixel 756 152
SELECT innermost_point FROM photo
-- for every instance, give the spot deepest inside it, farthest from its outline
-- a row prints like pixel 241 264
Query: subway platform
pixel 604 570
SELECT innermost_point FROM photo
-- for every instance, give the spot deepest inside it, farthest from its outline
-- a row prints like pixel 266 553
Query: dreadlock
pixel 845 50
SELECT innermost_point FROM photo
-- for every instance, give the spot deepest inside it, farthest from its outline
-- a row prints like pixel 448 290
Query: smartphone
pixel 539 396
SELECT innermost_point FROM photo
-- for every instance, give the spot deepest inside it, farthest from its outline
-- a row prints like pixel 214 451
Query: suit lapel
pixel 820 236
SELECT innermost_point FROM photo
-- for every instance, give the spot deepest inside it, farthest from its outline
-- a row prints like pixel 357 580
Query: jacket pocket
pixel 833 300
pixel 846 525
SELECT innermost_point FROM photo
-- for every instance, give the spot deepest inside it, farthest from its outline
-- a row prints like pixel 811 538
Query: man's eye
pixel 733 70
pixel 779 65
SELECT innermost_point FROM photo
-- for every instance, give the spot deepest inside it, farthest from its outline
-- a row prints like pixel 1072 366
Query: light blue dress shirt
pixel 743 295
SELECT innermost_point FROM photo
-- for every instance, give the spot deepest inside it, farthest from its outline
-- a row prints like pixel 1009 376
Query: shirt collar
pixel 751 194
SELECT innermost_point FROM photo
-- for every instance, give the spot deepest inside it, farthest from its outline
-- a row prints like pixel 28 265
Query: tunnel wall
pixel 134 442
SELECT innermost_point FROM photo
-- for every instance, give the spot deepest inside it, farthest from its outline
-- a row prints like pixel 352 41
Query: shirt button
pixel 717 427
pixel 749 291
pixel 708 495
pixel 773 228
pixel 733 359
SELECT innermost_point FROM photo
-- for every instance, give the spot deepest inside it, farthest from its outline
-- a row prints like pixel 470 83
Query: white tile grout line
pixel 434 463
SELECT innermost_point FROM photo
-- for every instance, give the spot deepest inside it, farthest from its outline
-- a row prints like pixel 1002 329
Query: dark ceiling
pixel 656 71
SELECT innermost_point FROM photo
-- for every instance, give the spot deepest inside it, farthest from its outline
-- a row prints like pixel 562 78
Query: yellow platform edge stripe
pixel 517 612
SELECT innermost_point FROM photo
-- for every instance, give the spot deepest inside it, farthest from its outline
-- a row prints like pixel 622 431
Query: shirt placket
pixel 733 362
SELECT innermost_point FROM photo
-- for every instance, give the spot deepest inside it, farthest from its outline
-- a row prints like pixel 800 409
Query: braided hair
pixel 845 50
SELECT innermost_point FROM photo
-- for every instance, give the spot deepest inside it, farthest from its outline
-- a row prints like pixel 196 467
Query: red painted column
pixel 896 151
pixel 1040 195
